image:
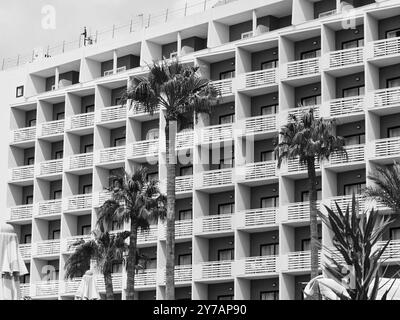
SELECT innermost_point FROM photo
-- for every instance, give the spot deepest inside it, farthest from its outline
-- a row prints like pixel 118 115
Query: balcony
pixel 257 173
pixel 301 68
pixel 294 166
pixel 299 212
pixel 385 98
pixel 384 48
pixel 298 112
pixel 346 57
pixel 111 114
pixel 261 125
pixel 138 112
pixel 70 287
pixel 257 266
pixel 183 275
pixel 81 202
pixel 21 174
pixel 101 197
pixel 389 147
pixel 142 150
pixel 185 139
pixel 216 178
pixel 215 224
pixel 300 261
pixel 25 290
pixel 223 86
pixel 146 278
pixel 213 271
pixel 184 184
pixel 23 135
pixel 26 251
pixel 68 245
pixel 45 288
pixel 257 219
pixel 345 201
pixel 48 248
pixel 51 128
pixel 80 121
pixel 116 281
pixel 183 230
pixel 147 237
pixel 79 162
pixel 218 133
pixel 49 208
pixel 355 154
pixel 48 168
pixel 110 155
pixel 392 251
pixel 21 213
pixel 346 106
pixel 254 82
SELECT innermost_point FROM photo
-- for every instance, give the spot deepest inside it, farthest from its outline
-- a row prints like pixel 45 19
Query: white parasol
pixel 87 288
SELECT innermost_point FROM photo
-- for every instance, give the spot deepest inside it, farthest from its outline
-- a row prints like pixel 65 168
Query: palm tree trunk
pixel 313 220
pixel 130 266
pixel 170 136
pixel 109 285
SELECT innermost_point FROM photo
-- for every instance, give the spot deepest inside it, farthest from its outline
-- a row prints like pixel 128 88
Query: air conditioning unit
pixel 327 13
pixel 38 53
pixel 246 35
pixel 108 73
pixel 173 55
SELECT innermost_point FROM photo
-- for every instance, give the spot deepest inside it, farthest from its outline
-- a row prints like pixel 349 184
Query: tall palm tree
pixel 105 249
pixel 180 90
pixel 138 202
pixel 309 140
pixel 387 186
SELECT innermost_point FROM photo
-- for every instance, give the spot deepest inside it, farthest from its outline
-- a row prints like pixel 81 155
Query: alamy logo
pixel 49 17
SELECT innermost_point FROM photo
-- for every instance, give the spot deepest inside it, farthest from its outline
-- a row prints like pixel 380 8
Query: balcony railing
pixel 143 148
pixel 79 121
pixel 68 245
pixel 344 201
pixel 298 112
pixel 111 114
pixel 355 153
pixel 79 161
pixel 183 229
pixel 51 207
pixel 346 57
pixel 111 155
pixel 116 281
pixel 300 211
pixel 301 260
pixel 260 124
pixel 259 217
pixel 71 286
pixel 260 265
pixel 216 269
pixel 216 178
pixel 346 106
pixel 46 248
pixel 101 197
pixel 149 235
pixel 217 133
pixel 303 67
pixel 386 47
pixel 24 134
pixel 146 278
pixel 185 139
pixel 260 78
pixel 386 97
pixel 46 288
pixel 139 109
pixel 387 147
pixel 78 202
pixel 50 167
pixel 25 250
pixel 258 170
pixel 223 86
pixel 182 274
pixel 51 128
pixel 184 184
pixel 21 212
pixel 22 173
pixel 392 250
pixel 25 290
pixel 294 165
pixel 216 223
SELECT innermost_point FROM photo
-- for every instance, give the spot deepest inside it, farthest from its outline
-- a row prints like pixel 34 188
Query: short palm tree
pixel 138 202
pixel 387 186
pixel 309 140
pixel 105 249
pixel 181 91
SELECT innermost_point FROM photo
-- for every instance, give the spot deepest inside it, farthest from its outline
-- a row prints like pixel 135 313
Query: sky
pixel 21 21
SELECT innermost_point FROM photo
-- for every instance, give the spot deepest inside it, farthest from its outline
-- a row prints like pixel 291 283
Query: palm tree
pixel 105 249
pixel 309 140
pixel 387 189
pixel 138 202
pixel 180 90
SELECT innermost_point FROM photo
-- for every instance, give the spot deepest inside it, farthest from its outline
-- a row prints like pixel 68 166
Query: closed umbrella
pixel 12 265
pixel 87 288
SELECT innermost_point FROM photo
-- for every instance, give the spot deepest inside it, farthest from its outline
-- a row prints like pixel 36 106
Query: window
pixel 152 176
pixel 152 263
pixel 225 297
pixel 186 171
pixel 269 64
pixel 226 208
pixel 270 202
pixel 28 238
pixel 86 230
pixel 153 134
pixel 311 54
pixel 391 83
pixel 117 268
pixel 88 148
pixel 311 101
pixel 57 194
pixel 272 109
pixel 353 44
pixel 119 142
pixel 395 233
pixel 30 161
pixel 353 92
pixel 227 75
pixel 19 91
pixel 270 249
pixel 184 259
pixel 269 295
pixel 393 33
pixel 59 154
pixel 32 123
pixel 354 139
pixel 29 200
pixel 60 116
pixel 89 109
pixel 185 214
pixel 267 155
pixel 25 278
pixel 227 163
pixel 118 101
pixel 56 234
pixel 306 244
pixel 87 189
pixel 393 132
pixel 229 118
pixel 225 255
pixel 305 195
pixel 355 188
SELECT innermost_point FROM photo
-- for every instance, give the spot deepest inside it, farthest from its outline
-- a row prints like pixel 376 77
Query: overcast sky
pixel 21 20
